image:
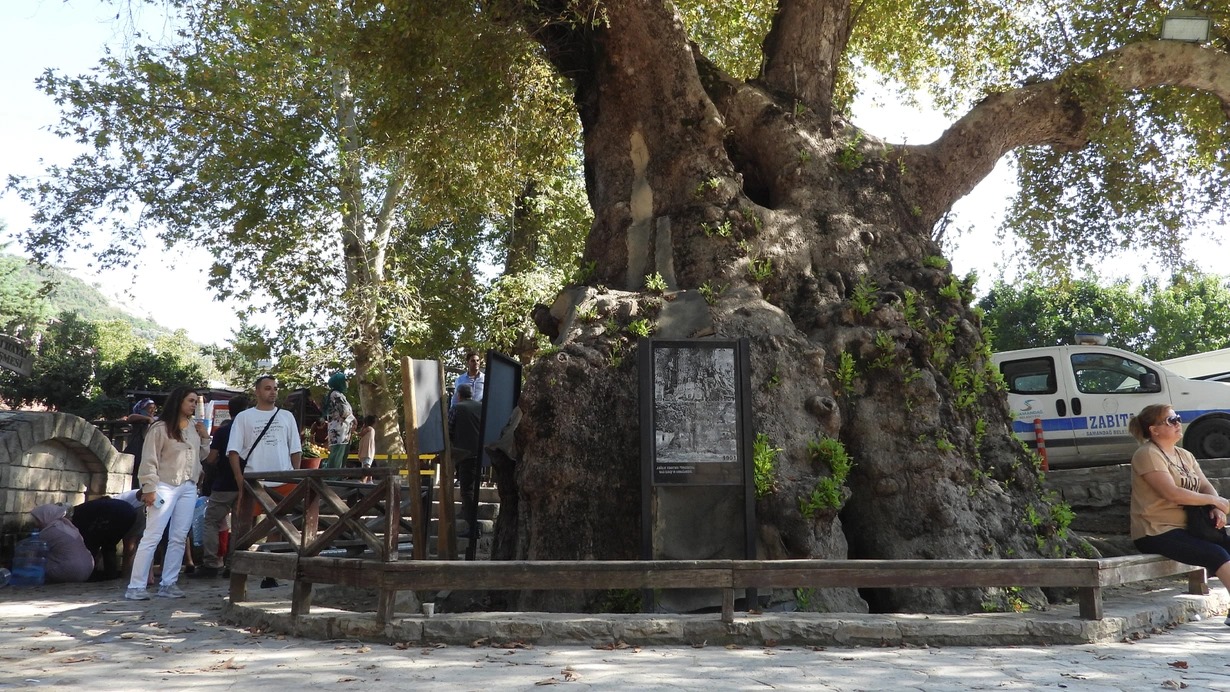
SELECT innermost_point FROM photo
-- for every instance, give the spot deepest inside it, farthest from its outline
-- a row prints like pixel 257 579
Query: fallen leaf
pixel 511 645
pixel 363 650
pixel 700 645
pixel 78 659
pixel 401 646
pixel 478 642
pixel 548 681
pixel 228 664
pixel 733 646
pixel 611 646
pixel 346 679
pixel 1174 685
pixel 1179 664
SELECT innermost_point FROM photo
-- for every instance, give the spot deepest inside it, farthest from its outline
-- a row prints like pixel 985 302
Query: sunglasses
pixel 1173 420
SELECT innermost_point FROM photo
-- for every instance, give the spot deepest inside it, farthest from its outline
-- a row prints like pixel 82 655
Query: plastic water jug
pixel 30 562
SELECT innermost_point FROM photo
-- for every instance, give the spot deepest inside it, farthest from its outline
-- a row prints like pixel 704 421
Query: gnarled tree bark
pixel 860 333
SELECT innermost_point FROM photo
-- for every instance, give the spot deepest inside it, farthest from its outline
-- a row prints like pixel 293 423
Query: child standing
pixel 367 443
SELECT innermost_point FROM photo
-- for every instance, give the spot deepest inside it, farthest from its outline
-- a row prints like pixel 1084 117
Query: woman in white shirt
pixel 170 464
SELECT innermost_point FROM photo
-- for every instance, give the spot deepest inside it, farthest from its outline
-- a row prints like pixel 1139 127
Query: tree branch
pixel 803 49
pixel 1049 113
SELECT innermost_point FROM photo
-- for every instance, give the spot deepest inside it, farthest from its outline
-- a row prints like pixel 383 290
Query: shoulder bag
pixel 1201 525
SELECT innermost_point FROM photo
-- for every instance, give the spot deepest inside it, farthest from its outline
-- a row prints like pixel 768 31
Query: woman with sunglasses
pixel 1165 478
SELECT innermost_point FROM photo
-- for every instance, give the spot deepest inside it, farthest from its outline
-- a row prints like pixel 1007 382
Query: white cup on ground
pixel 429 609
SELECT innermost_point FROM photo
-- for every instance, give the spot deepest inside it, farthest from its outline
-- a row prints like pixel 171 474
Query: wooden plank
pixel 277 565
pixel 392 504
pixel 914 573
pixel 446 542
pixel 418 527
pixel 728 606
pixel 1123 572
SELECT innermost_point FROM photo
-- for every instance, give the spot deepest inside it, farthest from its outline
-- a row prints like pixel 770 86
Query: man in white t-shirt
pixel 279 449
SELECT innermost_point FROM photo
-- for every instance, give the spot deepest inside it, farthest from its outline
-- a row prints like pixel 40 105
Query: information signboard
pixel 15 356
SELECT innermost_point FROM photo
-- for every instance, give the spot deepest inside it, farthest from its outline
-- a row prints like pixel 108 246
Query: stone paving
pixel 86 636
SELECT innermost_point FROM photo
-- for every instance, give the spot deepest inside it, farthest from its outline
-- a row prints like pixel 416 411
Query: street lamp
pixel 1186 25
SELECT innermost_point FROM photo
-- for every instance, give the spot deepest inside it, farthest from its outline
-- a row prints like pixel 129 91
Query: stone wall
pixel 1101 496
pixel 52 457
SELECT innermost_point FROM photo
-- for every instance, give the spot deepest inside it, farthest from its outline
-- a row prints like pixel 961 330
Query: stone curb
pixel 1130 613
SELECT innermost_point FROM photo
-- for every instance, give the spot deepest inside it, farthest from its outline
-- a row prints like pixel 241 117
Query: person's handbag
pixel 1201 525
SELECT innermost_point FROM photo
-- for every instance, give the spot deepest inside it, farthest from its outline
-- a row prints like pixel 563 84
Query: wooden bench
pixel 1088 576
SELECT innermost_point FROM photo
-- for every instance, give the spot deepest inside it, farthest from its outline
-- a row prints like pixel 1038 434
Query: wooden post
pixel 418 528
pixel 447 541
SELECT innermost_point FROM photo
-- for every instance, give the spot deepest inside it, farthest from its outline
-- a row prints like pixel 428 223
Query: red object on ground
pixel 1040 443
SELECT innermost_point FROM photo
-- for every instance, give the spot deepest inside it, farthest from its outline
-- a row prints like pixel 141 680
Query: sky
pixel 69 37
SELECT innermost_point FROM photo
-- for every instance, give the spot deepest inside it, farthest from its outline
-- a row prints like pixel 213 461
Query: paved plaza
pixel 86 637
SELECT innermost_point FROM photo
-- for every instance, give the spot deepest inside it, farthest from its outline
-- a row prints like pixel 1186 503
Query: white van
pixel 1085 395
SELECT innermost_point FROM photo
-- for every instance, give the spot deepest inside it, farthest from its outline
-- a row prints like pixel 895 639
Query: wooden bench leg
pixel 239 587
pixel 384 606
pixel 301 598
pixel 1197 582
pixel 1091 602
pixel 728 605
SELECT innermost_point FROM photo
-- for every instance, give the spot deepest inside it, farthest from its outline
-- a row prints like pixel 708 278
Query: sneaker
pixel 169 591
pixel 269 583
pixel 136 595
pixel 204 573
pixel 1228 621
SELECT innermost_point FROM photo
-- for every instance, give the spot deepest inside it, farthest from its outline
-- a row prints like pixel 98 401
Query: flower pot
pixel 310 463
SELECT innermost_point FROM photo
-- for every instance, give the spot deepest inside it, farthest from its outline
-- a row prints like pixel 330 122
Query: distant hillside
pixel 71 293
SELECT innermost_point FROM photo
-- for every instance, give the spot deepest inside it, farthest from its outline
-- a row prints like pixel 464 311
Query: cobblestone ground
pixel 88 637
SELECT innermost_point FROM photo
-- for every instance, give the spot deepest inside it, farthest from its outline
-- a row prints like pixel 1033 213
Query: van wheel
pixel 1209 439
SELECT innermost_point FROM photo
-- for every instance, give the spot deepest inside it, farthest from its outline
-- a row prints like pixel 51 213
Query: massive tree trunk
pixel 860 331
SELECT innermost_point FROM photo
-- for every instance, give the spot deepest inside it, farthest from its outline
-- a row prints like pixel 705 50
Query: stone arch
pixel 53 457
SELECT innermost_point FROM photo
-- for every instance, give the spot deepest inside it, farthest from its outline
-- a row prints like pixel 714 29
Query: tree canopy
pixel 359 163
pixel 1189 314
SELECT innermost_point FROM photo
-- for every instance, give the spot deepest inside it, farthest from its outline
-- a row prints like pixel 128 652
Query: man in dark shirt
pixel 466 430
pixel 105 521
pixel 224 492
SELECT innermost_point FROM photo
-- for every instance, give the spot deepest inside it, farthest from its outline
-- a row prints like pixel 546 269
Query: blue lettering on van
pixel 1113 420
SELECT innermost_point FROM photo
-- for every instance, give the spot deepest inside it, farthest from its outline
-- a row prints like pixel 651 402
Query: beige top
pixel 1152 514
pixel 167 460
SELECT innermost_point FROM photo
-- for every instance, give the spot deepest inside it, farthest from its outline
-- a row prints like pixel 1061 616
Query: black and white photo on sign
pixel 695 406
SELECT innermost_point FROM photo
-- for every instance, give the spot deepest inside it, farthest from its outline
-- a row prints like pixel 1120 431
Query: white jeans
pixel 173 505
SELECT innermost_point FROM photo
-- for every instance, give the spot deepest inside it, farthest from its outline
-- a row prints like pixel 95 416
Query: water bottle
pixel 29 562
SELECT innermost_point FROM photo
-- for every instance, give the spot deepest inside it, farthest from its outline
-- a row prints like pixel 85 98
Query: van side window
pixel 1107 373
pixel 1030 376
